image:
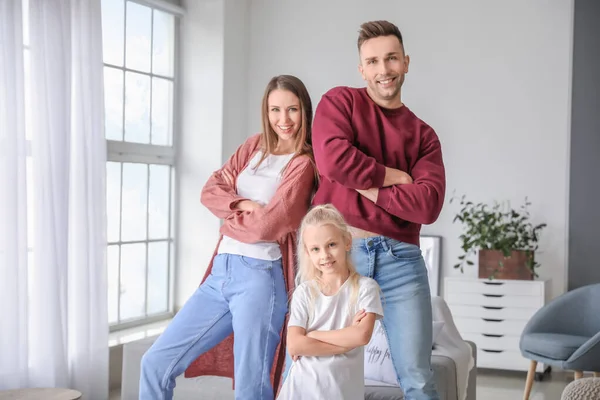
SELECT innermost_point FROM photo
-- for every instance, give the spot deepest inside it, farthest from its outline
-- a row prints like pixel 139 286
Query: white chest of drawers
pixel 493 314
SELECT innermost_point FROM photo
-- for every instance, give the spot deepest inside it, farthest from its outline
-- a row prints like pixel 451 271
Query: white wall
pixel 201 138
pixel 235 127
pixel 492 78
pixel 213 63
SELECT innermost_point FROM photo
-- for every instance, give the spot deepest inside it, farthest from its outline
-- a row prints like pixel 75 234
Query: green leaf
pixel 496 226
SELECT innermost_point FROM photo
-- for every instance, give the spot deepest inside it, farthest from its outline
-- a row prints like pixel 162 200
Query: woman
pixel 262 194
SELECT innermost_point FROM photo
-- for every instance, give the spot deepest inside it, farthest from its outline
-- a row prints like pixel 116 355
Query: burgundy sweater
pixel 354 139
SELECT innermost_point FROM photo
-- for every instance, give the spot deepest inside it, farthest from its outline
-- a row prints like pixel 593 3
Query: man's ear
pixel 361 71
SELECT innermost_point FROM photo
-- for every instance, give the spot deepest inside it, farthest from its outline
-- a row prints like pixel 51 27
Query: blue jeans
pixel 400 271
pixel 242 295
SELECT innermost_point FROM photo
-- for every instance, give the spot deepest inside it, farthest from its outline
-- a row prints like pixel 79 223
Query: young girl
pixel 332 313
pixel 261 194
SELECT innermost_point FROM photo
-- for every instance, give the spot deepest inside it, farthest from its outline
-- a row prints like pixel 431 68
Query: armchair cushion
pixel 557 346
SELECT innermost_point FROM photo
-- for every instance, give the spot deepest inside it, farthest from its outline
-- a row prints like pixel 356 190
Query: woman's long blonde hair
pixel 323 215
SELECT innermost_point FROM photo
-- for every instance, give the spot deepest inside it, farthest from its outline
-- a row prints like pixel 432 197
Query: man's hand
pixel 395 176
pixel 359 317
pixel 248 205
pixel 370 194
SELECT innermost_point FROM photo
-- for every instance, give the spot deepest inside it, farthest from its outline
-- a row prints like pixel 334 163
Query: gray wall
pixel 584 210
pixel 460 54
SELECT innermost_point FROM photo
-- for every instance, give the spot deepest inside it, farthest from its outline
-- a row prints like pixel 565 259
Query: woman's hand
pixel 248 205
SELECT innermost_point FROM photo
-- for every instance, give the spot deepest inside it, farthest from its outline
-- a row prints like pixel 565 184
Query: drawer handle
pixel 491 335
pixel 493 283
pixel 493 295
pixel 492 308
pixel 493 351
pixel 492 320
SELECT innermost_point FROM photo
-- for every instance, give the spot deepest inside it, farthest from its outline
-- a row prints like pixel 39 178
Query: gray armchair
pixel 565 333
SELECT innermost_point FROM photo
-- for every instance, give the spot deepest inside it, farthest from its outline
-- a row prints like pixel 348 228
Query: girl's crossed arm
pixel 359 333
pixel 300 344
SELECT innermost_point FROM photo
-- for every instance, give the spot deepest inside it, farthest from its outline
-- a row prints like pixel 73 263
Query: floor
pixel 506 385
pixel 491 385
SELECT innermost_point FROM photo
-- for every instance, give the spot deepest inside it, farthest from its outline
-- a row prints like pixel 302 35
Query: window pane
pixel 133 281
pixel 158 277
pixel 139 31
pixel 163 44
pixel 112 262
pixel 113 103
pixel 113 200
pixel 137 108
pixel 158 202
pixel 113 27
pixel 134 198
pixel 162 111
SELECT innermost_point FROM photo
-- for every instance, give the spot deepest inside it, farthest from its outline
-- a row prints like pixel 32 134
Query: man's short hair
pixel 373 29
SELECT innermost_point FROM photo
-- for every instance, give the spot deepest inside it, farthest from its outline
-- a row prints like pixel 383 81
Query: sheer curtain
pixel 53 272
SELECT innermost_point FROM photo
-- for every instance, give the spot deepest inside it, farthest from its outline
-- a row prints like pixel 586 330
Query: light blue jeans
pixel 242 295
pixel 400 271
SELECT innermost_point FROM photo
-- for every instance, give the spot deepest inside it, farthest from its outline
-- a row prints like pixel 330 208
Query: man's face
pixel 383 65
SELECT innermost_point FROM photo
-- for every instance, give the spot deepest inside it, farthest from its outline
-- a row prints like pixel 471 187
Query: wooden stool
pixel 40 394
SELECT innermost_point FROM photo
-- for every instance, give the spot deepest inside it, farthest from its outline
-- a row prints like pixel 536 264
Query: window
pixel 139 47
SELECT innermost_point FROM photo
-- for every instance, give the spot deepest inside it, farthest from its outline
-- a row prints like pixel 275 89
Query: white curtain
pixel 53 298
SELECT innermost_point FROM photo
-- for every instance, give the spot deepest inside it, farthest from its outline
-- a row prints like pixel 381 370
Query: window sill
pixel 129 335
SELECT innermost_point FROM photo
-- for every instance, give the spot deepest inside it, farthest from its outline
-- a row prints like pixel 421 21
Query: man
pixel 382 167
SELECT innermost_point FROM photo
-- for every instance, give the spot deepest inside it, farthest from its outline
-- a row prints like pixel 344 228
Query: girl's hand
pixel 358 317
pixel 228 178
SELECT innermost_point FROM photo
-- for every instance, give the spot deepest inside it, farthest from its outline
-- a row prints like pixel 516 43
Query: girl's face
pixel 327 247
pixel 285 114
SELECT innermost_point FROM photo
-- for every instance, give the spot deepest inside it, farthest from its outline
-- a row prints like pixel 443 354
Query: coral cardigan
pixel 278 222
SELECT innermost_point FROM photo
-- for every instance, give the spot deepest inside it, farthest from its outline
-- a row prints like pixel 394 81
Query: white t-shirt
pixel 259 185
pixel 329 377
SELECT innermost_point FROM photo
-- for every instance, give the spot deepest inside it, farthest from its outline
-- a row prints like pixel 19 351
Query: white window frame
pixel 128 152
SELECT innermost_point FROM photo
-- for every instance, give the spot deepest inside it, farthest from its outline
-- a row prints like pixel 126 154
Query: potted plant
pixel 504 238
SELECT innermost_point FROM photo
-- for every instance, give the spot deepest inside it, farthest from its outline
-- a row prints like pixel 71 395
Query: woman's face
pixel 285 114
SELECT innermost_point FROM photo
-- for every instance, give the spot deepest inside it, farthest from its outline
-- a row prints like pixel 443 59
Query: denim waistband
pixel 372 243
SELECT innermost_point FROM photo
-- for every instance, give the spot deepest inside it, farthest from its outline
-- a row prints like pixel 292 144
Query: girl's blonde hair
pixel 324 215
